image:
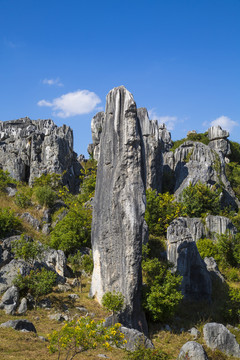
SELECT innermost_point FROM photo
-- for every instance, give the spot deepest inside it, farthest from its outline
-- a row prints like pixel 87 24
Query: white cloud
pixel 72 104
pixel 168 120
pixel 225 122
pixel 50 82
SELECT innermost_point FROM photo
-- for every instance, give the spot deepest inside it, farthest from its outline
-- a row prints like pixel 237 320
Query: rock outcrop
pixel 194 162
pixel 182 252
pixel 30 148
pixel 217 336
pixel 156 140
pixel 211 227
pixel 119 206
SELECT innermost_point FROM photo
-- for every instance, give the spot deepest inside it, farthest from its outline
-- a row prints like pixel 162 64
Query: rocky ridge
pixel 30 148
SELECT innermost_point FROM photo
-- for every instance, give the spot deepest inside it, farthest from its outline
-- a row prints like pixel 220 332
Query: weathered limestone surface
pixel 182 252
pixel 212 226
pixel 217 336
pixel 156 141
pixel 192 351
pixel 30 148
pixel 152 150
pixel 194 162
pixel 119 206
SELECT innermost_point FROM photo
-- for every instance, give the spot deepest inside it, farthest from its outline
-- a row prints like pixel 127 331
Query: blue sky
pixel 179 58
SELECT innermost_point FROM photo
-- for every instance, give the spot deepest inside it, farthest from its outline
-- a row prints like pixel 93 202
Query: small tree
pixel 80 263
pixel 200 199
pixel 161 210
pixel 113 301
pixel 8 222
pixel 27 249
pixel 76 337
pixel 162 294
pixel 37 283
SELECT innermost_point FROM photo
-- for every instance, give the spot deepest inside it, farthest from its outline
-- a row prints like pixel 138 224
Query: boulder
pixel 217 336
pixel 192 351
pixel 20 325
pixel 213 270
pixel 22 307
pixel 134 339
pixel 10 271
pixel 10 300
pixel 56 260
pixel 30 148
pixel 119 206
pixel 182 252
pixel 31 220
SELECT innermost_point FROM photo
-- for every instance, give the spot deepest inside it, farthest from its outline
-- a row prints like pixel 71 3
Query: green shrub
pixel 201 137
pixel 45 196
pixel 162 290
pixel 208 248
pixel 8 222
pixel 161 210
pixel 37 283
pixel 73 231
pixel 199 199
pixel 235 152
pixel 83 334
pixel 23 198
pixel 54 181
pixel 233 274
pixel 229 249
pixel 80 263
pixel 141 353
pixel 233 305
pixel 113 301
pixel 88 180
pixel 233 175
pixel 27 249
pixel 5 179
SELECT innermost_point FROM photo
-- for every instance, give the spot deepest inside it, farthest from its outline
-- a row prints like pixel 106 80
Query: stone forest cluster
pixel 151 222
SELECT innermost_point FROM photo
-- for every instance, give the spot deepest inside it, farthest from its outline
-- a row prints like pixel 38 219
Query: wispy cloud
pixel 13 44
pixel 73 103
pixel 51 82
pixel 224 121
pixel 170 121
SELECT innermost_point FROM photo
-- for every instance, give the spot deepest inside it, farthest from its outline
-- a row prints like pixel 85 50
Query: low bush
pixel 147 354
pixel 161 210
pixel 73 231
pixel 37 283
pixel 79 336
pixel 8 222
pixel 162 290
pixel 23 198
pixel 113 301
pixel 27 249
pixel 200 199
pixel 45 195
pixel 5 179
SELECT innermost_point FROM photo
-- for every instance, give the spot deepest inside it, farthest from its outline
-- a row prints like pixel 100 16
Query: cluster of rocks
pixel 182 252
pixel 216 336
pixel 54 260
pixel 30 148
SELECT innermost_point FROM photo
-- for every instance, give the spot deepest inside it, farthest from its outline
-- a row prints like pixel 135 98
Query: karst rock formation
pixel 119 207
pixel 30 148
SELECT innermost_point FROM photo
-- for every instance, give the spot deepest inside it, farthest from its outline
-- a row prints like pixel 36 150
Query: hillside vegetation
pixel 66 219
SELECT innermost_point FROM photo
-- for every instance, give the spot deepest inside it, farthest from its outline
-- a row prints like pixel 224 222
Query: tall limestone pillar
pixel 119 207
